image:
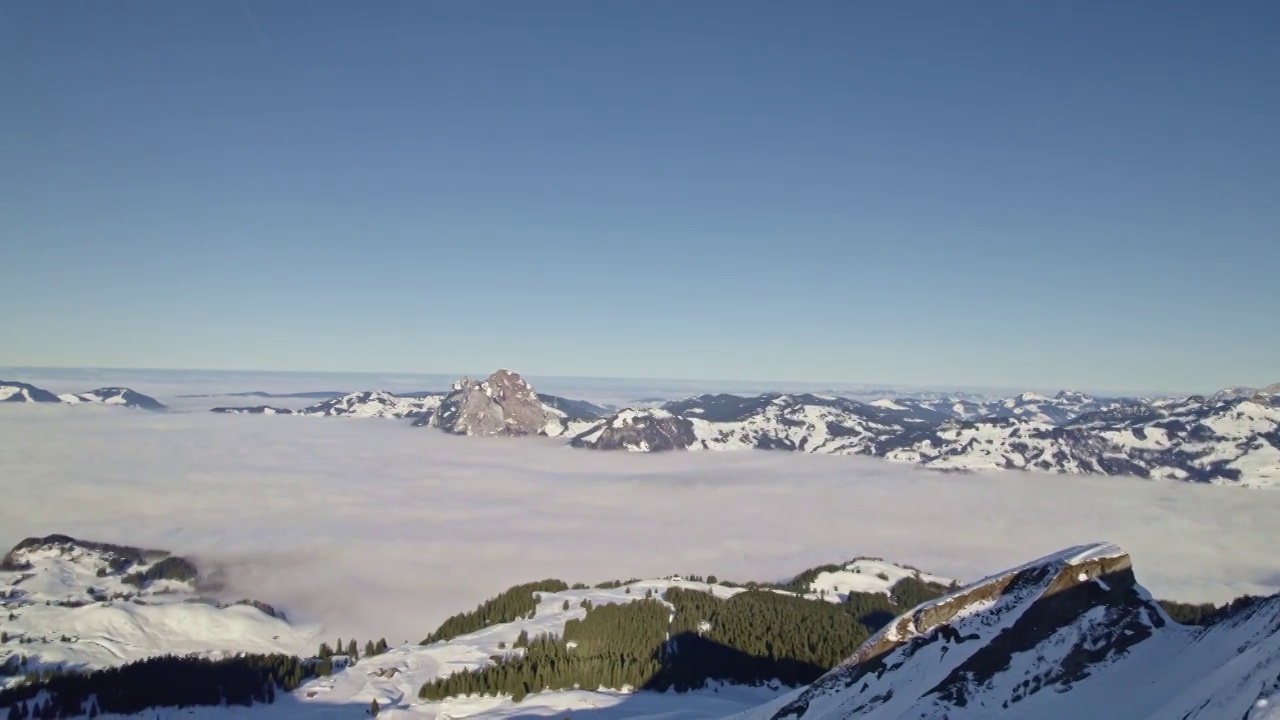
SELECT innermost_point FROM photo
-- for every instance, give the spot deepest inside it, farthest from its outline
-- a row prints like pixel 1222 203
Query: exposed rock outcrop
pixel 1013 644
pixel 502 404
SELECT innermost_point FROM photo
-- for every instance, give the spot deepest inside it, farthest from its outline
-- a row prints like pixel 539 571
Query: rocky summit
pixel 502 404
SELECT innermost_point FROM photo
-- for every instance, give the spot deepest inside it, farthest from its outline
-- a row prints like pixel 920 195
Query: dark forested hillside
pixel 514 603
pixel 157 682
pixel 752 637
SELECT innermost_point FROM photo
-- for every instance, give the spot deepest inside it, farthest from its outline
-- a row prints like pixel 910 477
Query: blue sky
pixel 1050 194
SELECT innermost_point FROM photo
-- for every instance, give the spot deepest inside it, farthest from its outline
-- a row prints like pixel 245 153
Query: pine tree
pixel 353 650
pixel 325 651
pixel 369 649
pixel 373 707
pixel 382 645
pixel 562 607
pixel 14 713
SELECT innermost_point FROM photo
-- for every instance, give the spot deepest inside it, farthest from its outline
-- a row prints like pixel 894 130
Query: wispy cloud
pixel 379 529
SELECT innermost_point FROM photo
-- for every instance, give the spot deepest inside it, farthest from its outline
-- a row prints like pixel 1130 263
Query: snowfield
pixel 58 610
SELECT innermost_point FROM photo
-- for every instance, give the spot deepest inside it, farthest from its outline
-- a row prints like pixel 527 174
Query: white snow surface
pixel 65 614
pixel 866 575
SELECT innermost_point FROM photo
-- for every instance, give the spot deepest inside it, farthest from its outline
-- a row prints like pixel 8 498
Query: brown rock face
pixel 503 404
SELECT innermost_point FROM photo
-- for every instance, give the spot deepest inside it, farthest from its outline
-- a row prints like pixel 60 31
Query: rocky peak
pixel 1044 625
pixel 503 404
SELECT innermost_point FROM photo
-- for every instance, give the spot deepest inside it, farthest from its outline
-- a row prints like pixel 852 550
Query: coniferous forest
pixel 751 638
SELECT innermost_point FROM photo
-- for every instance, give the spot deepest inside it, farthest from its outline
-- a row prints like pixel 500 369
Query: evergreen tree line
pixel 615 645
pixel 170 568
pixel 514 603
pixel 351 649
pixel 168 681
pixel 1206 614
pixel 749 638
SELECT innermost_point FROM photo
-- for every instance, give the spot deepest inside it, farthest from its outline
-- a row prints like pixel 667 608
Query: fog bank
pixel 375 528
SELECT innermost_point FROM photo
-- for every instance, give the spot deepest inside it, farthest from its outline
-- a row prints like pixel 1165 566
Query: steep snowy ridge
pixel 1067 636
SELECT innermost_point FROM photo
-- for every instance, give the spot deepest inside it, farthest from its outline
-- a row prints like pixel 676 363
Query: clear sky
pixel 1010 193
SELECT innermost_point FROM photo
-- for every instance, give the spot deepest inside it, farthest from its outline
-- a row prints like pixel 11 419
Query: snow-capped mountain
pixel 1070 635
pixel 502 404
pixel 124 397
pixel 71 603
pixel 1195 439
pixel 18 392
pixel 807 423
pixel 365 404
pixel 1236 441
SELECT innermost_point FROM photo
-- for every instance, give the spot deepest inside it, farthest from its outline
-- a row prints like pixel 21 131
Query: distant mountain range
pixel 1231 437
pixel 1233 440
pixel 18 392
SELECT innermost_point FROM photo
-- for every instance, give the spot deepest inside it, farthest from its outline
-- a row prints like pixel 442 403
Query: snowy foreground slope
pixel 70 603
pixel 1068 636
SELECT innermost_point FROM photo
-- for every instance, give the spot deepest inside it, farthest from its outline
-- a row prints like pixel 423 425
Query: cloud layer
pixel 375 528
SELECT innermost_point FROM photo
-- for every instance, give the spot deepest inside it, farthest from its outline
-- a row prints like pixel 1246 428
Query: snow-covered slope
pixel 1066 636
pixel 1070 635
pixel 71 603
pixel 866 575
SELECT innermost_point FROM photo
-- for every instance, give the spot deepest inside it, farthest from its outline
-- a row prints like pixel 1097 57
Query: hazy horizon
pixel 404 381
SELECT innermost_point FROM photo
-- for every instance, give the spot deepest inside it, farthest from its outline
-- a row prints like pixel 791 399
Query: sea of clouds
pixel 374 528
